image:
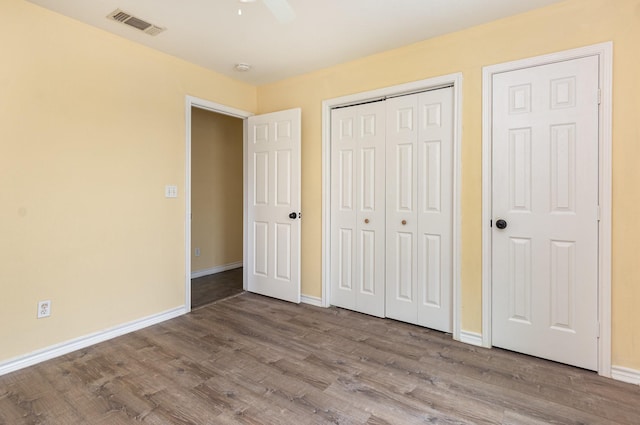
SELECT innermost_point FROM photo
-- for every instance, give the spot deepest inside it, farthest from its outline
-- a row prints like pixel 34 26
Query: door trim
pixel 604 51
pixel 428 84
pixel 191 101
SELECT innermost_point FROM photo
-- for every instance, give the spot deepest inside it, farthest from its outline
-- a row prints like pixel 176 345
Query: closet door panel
pixel 435 188
pixel 371 209
pixel 358 208
pixel 402 209
pixel 344 150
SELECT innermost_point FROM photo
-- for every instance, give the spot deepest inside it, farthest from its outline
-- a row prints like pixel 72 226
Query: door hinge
pixel 490 223
pixel 599 212
pixel 599 96
pixel 598 330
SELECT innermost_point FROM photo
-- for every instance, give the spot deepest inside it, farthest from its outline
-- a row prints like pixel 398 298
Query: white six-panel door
pixel 419 208
pixel 402 209
pixel 545 188
pixel 358 208
pixel 273 172
pixel 435 209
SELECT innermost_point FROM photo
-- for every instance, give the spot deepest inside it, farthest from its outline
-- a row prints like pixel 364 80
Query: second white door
pixel 545 211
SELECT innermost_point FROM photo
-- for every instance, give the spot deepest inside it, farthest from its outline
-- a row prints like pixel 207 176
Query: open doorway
pixel 216 206
pixel 280 201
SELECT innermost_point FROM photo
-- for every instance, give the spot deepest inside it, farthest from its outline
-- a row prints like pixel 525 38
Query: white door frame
pixel 225 110
pixel 604 51
pixel 428 84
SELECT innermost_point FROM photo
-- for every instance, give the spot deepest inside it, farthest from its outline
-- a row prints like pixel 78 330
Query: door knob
pixel 293 216
pixel 501 224
pixel 366 220
pixel 404 222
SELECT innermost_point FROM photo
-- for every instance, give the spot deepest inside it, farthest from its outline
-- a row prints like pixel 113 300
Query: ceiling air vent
pixel 137 23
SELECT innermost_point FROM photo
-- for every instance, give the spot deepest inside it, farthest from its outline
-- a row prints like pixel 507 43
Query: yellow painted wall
pixel 92 127
pixel 566 25
pixel 216 189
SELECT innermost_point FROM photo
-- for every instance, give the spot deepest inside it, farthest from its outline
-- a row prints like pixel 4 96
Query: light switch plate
pixel 170 191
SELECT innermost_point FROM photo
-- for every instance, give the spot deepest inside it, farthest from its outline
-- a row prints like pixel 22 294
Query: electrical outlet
pixel 44 309
pixel 197 252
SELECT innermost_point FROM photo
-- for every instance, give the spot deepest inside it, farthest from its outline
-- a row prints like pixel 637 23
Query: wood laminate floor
pixel 254 360
pixel 215 287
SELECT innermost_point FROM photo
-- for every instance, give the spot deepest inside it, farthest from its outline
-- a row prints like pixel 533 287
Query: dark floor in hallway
pixel 215 287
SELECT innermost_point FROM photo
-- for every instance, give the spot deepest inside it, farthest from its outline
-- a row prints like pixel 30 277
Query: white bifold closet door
pixel 419 164
pixel 358 208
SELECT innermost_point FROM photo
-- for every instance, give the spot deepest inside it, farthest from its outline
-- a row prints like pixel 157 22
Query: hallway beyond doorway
pixel 215 287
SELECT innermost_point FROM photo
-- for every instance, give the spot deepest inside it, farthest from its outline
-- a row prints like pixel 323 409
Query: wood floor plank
pixel 427 392
pixel 175 406
pixel 46 406
pixel 254 360
pixel 242 402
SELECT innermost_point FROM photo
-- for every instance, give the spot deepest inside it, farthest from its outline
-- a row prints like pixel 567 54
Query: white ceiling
pixel 323 33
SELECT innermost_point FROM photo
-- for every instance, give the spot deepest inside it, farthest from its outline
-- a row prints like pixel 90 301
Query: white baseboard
pixel 67 347
pixel 216 269
pixel 625 374
pixel 308 299
pixel 472 338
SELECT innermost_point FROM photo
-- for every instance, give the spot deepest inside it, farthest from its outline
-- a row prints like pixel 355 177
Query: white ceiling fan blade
pixel 281 10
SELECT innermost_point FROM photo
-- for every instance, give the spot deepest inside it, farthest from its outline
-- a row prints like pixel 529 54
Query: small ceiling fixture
pixel 242 67
pixel 281 9
pixel 243 2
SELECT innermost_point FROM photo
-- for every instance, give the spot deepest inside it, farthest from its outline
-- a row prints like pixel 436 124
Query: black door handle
pixel 293 216
pixel 501 224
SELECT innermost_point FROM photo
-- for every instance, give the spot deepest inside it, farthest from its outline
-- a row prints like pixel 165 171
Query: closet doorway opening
pixel 335 159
